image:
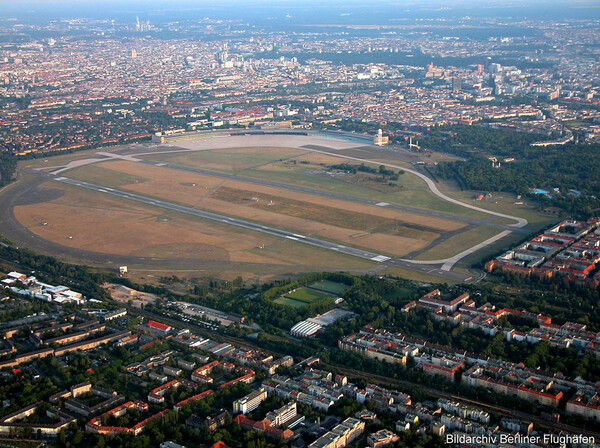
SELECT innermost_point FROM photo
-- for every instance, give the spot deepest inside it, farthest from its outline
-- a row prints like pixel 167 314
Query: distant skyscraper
pixel 456 84
pixel 495 68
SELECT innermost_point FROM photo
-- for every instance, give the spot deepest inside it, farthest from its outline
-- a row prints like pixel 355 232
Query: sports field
pixel 302 297
pixel 329 286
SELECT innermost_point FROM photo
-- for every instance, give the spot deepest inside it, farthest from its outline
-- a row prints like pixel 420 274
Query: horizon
pixel 352 11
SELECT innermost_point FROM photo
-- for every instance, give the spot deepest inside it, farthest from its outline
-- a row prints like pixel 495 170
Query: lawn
pixel 302 297
pixel 289 302
pixel 329 286
pixel 458 243
pixel 104 176
pixel 306 295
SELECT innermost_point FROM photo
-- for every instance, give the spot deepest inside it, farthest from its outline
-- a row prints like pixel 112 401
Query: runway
pixel 231 221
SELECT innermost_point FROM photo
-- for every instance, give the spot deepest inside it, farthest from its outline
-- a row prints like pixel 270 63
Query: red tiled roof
pixel 154 324
pixel 219 444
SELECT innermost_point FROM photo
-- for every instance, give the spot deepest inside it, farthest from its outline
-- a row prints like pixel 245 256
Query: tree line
pixel 570 168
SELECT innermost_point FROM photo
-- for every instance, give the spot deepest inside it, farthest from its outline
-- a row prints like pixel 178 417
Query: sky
pixel 302 11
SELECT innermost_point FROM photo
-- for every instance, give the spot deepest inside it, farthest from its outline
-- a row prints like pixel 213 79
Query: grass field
pixel 386 231
pixel 413 193
pixel 458 243
pixel 270 163
pixel 329 286
pixel 506 203
pixel 105 224
pixel 229 160
pixel 411 190
pixel 101 174
pixel 415 275
pixel 289 302
pixel 301 297
pixel 315 211
pixel 493 249
pixel 61 160
pixel 306 295
pixel 374 228
pixel 393 245
pixel 345 223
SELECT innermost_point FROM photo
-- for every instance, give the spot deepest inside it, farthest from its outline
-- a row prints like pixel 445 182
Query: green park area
pixel 329 286
pixel 301 297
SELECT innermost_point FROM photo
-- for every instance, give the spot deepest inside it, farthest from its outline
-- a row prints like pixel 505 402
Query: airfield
pixel 256 205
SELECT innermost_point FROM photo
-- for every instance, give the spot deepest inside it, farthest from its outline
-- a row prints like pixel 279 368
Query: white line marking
pixel 380 258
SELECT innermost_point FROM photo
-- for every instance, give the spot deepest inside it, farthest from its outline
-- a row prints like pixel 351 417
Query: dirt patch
pixel 124 294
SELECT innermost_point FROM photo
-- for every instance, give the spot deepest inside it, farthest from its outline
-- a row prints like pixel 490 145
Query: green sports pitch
pixel 302 297
pixel 329 286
